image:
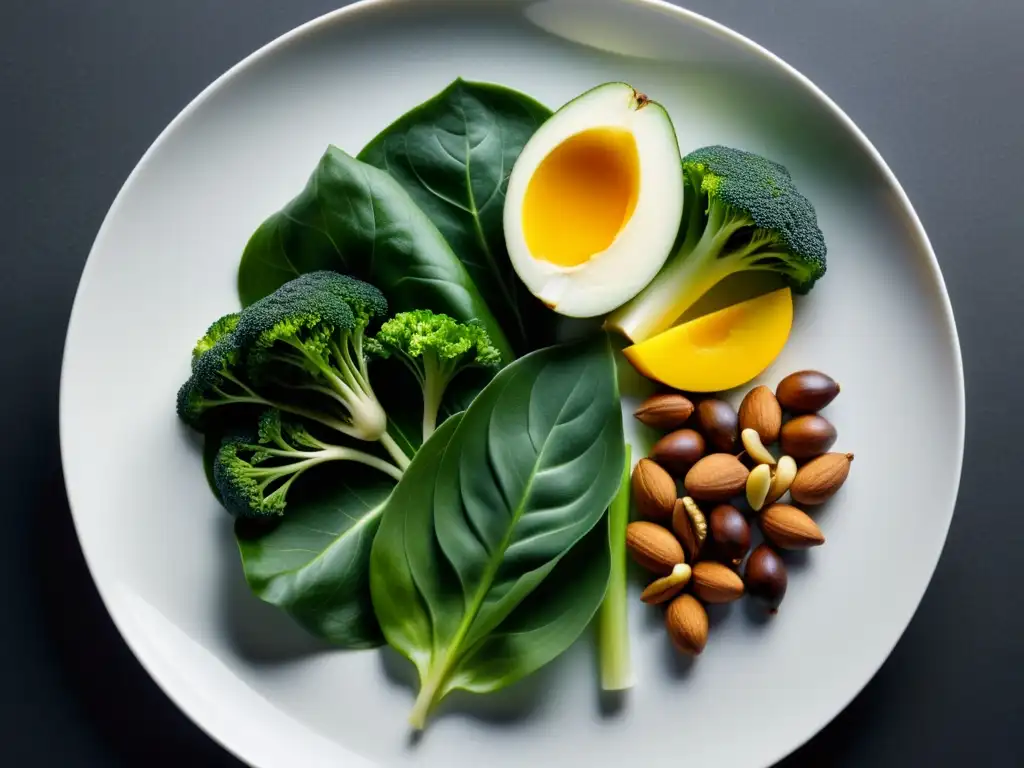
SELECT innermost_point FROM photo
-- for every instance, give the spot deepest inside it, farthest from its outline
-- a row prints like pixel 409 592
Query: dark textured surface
pixel 85 87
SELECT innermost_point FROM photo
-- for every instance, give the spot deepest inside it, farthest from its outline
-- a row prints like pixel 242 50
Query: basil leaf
pixel 486 512
pixel 453 154
pixel 356 219
pixel 314 563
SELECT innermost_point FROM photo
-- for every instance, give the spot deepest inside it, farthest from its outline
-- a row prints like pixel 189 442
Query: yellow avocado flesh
pixel 721 350
pixel 581 196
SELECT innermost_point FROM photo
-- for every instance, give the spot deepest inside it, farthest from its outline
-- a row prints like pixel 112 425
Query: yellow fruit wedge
pixel 721 350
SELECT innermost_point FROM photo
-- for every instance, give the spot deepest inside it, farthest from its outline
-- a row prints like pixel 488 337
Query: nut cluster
pixel 694 542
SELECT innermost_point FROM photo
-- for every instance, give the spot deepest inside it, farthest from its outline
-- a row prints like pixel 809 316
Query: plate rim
pixel 339 15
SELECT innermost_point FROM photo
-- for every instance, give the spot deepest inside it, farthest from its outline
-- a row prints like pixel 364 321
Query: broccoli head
pixel 742 212
pixel 253 474
pixel 309 335
pixel 220 328
pixel 435 347
pixel 215 381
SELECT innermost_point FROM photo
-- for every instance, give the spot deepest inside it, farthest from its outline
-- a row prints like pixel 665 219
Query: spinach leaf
pixel 356 219
pixel 314 563
pixel 453 154
pixel 484 515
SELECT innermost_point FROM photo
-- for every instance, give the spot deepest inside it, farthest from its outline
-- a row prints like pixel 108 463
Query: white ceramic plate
pixel 164 264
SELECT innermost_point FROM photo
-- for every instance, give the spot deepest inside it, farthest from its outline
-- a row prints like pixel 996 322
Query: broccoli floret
pixel 743 212
pixel 215 381
pixel 435 347
pixel 299 350
pixel 309 335
pixel 254 475
pixel 220 328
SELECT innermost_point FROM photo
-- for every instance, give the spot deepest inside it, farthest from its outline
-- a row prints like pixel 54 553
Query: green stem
pixel 435 381
pixel 395 451
pixel 425 698
pixel 678 286
pixel 616 664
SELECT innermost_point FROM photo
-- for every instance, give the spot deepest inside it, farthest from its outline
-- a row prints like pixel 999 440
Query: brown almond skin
pixel 718 422
pixel 807 436
pixel 818 480
pixel 717 477
pixel 765 577
pixel 654 491
pixel 678 451
pixel 664 412
pixel 730 532
pixel 787 527
pixel 806 391
pixel 653 547
pixel 716 583
pixel 761 412
pixel 687 624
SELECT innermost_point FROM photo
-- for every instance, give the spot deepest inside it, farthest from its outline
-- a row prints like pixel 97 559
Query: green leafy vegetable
pixel 435 348
pixel 356 219
pixel 742 213
pixel 485 513
pixel 453 154
pixel 616 663
pixel 315 563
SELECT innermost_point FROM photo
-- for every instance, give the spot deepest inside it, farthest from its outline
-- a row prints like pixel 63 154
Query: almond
pixel 653 547
pixel 687 624
pixel 667 587
pixel 761 412
pixel 654 490
pixel 716 583
pixel 818 480
pixel 790 528
pixel 664 412
pixel 717 477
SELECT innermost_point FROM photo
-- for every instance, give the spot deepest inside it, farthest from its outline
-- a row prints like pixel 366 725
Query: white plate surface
pixel 164 264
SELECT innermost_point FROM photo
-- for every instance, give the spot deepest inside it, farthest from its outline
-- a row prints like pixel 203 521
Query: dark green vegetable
pixel 301 351
pixel 742 213
pixel 356 219
pixel 435 348
pixel 485 513
pixel 254 474
pixel 315 563
pixel 453 154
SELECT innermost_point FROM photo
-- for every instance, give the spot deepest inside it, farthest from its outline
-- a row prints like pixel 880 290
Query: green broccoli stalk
pixel 300 350
pixel 435 347
pixel 308 335
pixel 743 212
pixel 253 477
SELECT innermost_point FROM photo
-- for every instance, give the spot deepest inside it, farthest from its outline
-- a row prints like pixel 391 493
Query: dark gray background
pixel 86 86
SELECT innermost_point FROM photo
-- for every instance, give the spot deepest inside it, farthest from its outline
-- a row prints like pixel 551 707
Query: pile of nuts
pixel 695 545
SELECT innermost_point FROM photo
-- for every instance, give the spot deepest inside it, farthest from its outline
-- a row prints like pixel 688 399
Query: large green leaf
pixel 486 512
pixel 453 154
pixel 314 563
pixel 356 219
